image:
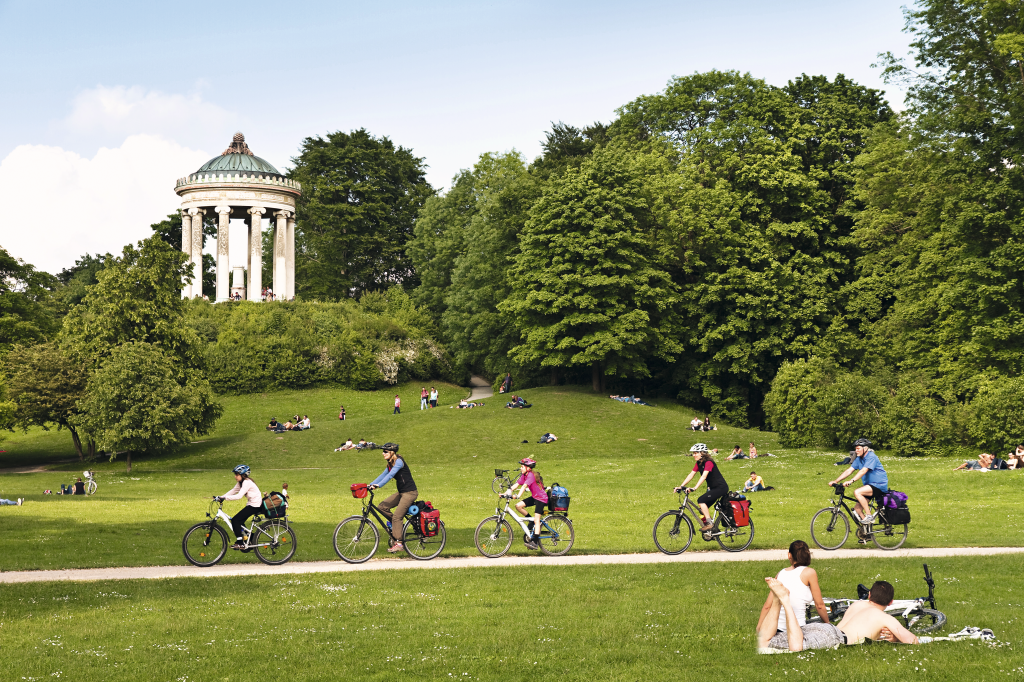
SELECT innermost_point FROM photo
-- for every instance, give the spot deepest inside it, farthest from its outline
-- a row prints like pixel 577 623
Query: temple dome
pixel 237 158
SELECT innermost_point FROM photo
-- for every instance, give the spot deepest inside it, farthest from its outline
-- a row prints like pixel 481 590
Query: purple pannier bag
pixel 894 499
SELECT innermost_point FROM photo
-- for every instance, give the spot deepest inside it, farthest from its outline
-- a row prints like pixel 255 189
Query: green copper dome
pixel 238 158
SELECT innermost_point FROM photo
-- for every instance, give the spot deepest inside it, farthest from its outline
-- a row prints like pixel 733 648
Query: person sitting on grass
pixel 273 425
pixel 865 619
pixel 802 582
pixel 754 484
pixel 1015 460
pixel 696 424
pixel 305 423
pixel 347 445
pixel 752 451
pixel 13 503
pixel 737 453
pixel 983 463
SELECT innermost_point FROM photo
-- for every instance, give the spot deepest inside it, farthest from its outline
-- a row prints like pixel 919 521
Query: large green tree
pixel 360 198
pixel 169 230
pixel 27 312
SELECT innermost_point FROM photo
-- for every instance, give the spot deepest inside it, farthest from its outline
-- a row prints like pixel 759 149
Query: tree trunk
pixel 92 448
pixel 78 443
pixel 596 376
pixel 129 462
pixel 554 376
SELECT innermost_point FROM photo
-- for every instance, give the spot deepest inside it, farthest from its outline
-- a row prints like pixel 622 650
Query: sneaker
pixel 869 519
pixel 397 547
pixel 706 528
pixel 20 500
pixel 530 544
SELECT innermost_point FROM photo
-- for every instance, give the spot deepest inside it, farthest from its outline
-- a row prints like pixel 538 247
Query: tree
pixel 140 400
pixel 586 289
pixel 26 305
pixel 360 198
pixel 169 230
pixel 83 274
pixel 46 385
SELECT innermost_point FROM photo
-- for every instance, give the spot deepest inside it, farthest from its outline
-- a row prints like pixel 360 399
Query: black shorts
pixel 538 506
pixel 876 493
pixel 711 496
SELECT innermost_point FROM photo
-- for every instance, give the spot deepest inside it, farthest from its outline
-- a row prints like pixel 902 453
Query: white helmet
pixel 699 447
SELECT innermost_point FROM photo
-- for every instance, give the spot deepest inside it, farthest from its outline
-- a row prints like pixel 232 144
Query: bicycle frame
pixel 716 516
pixel 370 508
pixel 250 532
pixel 509 511
pixel 840 490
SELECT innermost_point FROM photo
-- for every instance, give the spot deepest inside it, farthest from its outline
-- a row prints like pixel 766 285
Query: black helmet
pixel 393 447
pixel 862 442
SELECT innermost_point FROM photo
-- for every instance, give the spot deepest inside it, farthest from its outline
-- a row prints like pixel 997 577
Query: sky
pixel 106 104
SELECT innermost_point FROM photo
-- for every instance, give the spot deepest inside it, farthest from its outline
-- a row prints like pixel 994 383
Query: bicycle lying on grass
pixel 674 531
pixel 356 539
pixel 912 612
pixel 494 535
pixel 828 533
pixel 206 543
pixel 501 481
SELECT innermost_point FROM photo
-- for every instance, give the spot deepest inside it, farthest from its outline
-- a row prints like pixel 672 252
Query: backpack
pixel 275 505
pixel 558 499
pixel 741 512
pixel 894 499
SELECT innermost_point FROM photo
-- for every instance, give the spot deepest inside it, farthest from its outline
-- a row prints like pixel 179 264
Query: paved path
pixel 255 568
pixel 479 388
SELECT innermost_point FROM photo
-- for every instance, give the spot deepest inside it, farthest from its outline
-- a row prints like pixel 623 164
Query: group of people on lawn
pixel 294 424
pixel 987 462
pixel 698 424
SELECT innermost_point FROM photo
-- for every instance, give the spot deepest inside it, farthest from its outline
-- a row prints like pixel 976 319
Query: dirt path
pixel 383 564
pixel 479 388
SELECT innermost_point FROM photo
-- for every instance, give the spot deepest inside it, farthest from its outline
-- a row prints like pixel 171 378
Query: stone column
pixel 255 252
pixel 281 255
pixel 223 263
pixel 290 259
pixel 186 248
pixel 197 251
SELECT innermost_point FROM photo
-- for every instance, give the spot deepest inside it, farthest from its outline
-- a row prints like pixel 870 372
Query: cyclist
pixel 868 467
pixel 244 487
pixel 538 498
pixel 401 501
pixel 717 487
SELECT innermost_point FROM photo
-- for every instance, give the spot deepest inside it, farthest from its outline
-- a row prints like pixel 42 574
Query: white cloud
pixel 117 112
pixel 60 205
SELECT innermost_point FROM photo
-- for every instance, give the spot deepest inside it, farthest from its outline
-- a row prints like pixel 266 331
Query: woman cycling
pixel 401 501
pixel 244 487
pixel 538 497
pixel 717 487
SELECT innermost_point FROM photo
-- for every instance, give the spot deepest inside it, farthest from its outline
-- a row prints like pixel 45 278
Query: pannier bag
pixel 430 522
pixel 359 490
pixel 275 505
pixel 558 499
pixel 894 499
pixel 898 516
pixel 741 512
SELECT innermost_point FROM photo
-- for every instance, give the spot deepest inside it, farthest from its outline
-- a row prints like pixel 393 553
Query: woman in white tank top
pixel 802 582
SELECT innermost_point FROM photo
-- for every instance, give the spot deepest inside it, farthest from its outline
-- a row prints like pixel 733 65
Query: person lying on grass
pixel 347 445
pixel 983 463
pixel 864 619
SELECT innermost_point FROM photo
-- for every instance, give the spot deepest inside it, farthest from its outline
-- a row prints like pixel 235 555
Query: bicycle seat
pixel 862 592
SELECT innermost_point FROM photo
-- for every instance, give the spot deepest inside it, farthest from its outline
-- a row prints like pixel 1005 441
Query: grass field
pixel 650 622
pixel 618 461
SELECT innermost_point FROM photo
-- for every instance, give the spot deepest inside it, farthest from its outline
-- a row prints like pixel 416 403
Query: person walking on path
pixel 433 397
pixel 398 405
pixel 423 397
pixel 401 501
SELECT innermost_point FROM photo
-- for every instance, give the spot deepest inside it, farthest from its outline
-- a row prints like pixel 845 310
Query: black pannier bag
pixel 897 517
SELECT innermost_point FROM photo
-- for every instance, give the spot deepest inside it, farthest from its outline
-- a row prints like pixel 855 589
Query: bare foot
pixel 777 588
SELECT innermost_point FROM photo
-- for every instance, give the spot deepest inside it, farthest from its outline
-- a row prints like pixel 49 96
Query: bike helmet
pixel 241 469
pixel 699 447
pixel 528 462
pixel 393 447
pixel 862 442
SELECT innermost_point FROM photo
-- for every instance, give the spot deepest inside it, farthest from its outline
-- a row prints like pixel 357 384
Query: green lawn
pixel 650 622
pixel 618 461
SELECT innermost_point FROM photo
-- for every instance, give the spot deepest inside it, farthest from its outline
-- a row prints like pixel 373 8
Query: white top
pixel 799 595
pixel 305 423
pixel 248 490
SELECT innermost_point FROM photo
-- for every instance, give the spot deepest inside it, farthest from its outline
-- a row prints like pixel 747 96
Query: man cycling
pixel 868 467
pixel 717 487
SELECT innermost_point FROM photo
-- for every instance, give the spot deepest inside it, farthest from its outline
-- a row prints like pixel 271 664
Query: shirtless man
pixel 863 620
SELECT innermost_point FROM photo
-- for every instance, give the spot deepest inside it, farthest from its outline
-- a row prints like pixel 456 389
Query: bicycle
pixel 90 486
pixel 672 536
pixel 829 534
pixel 915 616
pixel 493 536
pixel 206 543
pixel 501 481
pixel 356 539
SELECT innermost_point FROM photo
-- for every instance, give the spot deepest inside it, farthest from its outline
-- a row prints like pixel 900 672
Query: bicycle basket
pixel 359 490
pixel 275 505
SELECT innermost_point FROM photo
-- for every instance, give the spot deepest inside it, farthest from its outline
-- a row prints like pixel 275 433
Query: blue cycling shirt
pixel 876 475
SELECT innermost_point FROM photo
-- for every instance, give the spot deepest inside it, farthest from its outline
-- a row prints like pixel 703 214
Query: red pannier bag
pixel 741 512
pixel 430 522
pixel 359 490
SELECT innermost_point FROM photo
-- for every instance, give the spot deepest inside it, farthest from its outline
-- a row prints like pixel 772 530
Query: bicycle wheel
pixel 826 529
pixel 492 538
pixel 419 546
pixel 556 535
pixel 673 533
pixel 356 539
pixel 738 539
pixel 500 484
pixel 204 544
pixel 889 537
pixel 90 488
pixel 276 542
pixel 922 621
